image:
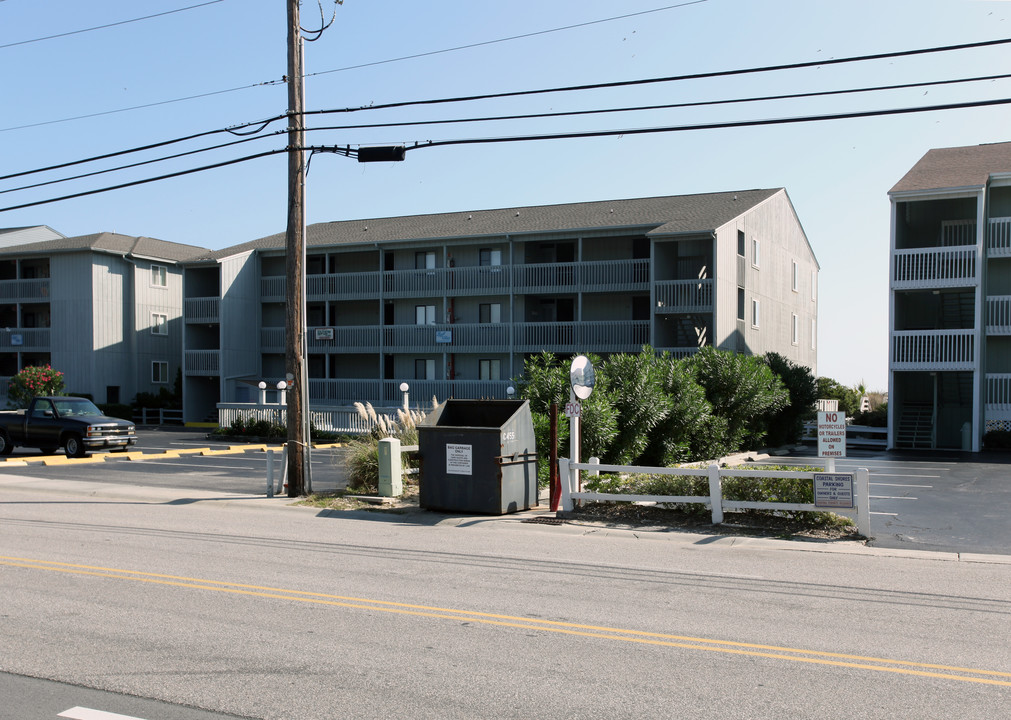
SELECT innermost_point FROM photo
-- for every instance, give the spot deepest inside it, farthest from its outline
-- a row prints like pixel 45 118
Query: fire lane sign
pixel 832 434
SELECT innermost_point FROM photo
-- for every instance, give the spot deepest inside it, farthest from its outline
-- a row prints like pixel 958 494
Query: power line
pixel 350 67
pixel 713 126
pixel 108 25
pixel 350 152
pixel 262 124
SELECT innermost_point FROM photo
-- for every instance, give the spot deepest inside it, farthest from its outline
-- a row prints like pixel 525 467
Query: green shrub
pixel 116 410
pixel 363 453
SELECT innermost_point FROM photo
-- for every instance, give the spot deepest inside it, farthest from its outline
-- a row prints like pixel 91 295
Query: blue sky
pixel 837 173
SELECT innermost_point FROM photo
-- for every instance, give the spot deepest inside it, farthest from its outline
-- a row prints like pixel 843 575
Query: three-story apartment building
pixel 104 309
pixel 452 303
pixel 950 299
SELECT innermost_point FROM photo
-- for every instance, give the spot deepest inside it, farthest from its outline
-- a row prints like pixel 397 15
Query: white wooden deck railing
pixel 202 309
pixel 998 392
pixel 998 238
pixel 32 289
pixel 25 338
pixel 933 349
pixel 203 362
pixel 674 296
pixel 998 315
pixel 934 267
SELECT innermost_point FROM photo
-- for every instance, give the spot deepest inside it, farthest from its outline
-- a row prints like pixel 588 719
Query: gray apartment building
pixel 452 303
pixel 950 299
pixel 104 309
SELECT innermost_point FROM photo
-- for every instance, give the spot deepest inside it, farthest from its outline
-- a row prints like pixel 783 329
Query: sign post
pixel 831 437
pixel 581 380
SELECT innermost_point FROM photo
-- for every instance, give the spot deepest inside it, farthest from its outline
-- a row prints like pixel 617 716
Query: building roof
pixel 110 243
pixel 657 216
pixel 958 167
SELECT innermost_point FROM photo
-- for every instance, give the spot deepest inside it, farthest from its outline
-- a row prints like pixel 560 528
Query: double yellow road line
pixel 816 657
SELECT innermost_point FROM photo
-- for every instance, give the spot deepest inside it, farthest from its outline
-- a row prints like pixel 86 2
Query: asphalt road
pixel 259 609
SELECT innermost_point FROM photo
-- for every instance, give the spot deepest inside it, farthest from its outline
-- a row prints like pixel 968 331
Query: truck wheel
pixel 73 446
pixel 6 446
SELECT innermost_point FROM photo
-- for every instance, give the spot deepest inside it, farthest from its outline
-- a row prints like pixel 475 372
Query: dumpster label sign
pixel 458 459
pixel 833 490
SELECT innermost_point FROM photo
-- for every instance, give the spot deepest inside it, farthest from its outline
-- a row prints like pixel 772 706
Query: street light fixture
pixel 404 387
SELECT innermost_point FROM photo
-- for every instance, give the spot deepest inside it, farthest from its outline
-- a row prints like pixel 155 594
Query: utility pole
pixel 294 322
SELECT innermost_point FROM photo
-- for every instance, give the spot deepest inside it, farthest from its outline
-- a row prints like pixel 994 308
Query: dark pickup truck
pixel 73 423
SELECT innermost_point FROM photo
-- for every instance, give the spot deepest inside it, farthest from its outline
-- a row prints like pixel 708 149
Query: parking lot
pixel 184 459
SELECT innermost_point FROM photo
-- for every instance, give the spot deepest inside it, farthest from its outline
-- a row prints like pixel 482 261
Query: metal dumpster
pixel 478 456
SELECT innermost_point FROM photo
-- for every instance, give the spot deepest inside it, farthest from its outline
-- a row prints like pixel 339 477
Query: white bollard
pixel 716 493
pixel 862 480
pixel 270 473
pixel 565 478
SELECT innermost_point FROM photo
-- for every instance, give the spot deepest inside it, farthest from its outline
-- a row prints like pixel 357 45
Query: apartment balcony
pixel 387 392
pixel 24 339
pixel 998 237
pixel 202 362
pixel 603 276
pixel 204 310
pixel 927 268
pixel 998 315
pixel 933 350
pixel 684 296
pixel 998 393
pixel 603 336
pixel 20 290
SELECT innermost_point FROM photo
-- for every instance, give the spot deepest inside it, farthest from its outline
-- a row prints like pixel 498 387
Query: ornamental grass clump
pixel 33 382
pixel 363 453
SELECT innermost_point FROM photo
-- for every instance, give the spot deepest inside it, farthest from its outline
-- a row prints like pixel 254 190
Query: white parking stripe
pixel 901 485
pixel 83 713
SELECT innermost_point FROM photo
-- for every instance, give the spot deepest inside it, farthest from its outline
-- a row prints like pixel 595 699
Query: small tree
pixel 33 382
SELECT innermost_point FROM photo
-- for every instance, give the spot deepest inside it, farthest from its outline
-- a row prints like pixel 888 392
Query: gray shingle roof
pixel 111 243
pixel 958 167
pixel 671 215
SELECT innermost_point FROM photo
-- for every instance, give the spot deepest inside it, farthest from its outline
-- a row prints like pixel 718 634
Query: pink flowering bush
pixel 32 382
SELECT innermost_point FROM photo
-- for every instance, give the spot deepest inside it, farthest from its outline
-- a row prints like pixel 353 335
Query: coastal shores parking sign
pixel 832 434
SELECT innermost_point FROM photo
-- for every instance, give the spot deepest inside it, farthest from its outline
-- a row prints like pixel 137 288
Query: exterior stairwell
pixel 915 428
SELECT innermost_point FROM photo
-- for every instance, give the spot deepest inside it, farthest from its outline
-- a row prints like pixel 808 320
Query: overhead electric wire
pixel 623 83
pixel 350 67
pixel 348 151
pixel 713 126
pixel 109 25
pixel 453 121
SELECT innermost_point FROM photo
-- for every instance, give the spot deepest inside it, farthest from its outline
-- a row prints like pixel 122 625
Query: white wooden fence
pixel 569 474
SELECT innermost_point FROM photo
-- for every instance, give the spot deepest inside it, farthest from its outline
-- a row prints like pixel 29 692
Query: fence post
pixel 270 473
pixel 593 461
pixel 565 480
pixel 863 502
pixel 715 493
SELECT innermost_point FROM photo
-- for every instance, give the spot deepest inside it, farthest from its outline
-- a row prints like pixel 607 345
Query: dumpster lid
pixel 474 413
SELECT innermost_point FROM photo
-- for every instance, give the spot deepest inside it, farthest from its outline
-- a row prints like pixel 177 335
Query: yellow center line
pixel 818 657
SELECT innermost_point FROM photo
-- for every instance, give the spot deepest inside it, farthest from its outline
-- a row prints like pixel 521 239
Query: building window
pixel 794 328
pixel 756 255
pixel 489 369
pixel 740 303
pixel 796 277
pixel 489 256
pixel 159 276
pixel 159 324
pixel 755 313
pixel 159 372
pixel 740 243
pixel 424 314
pixel 424 369
pixel 814 333
pixel 424 260
pixel 490 312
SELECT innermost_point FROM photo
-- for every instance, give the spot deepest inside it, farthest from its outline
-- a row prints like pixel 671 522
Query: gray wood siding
pixel 72 320
pixel 240 328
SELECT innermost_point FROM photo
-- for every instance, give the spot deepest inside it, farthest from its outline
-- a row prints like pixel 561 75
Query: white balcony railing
pixel 998 392
pixel 998 315
pixel 34 289
pixel 203 362
pixel 387 392
pixel 933 349
pixel 202 310
pixel 934 267
pixel 998 237
pixel 677 296
pixel 20 339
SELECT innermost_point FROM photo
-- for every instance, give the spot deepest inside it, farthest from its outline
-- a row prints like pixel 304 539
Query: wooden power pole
pixel 294 323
